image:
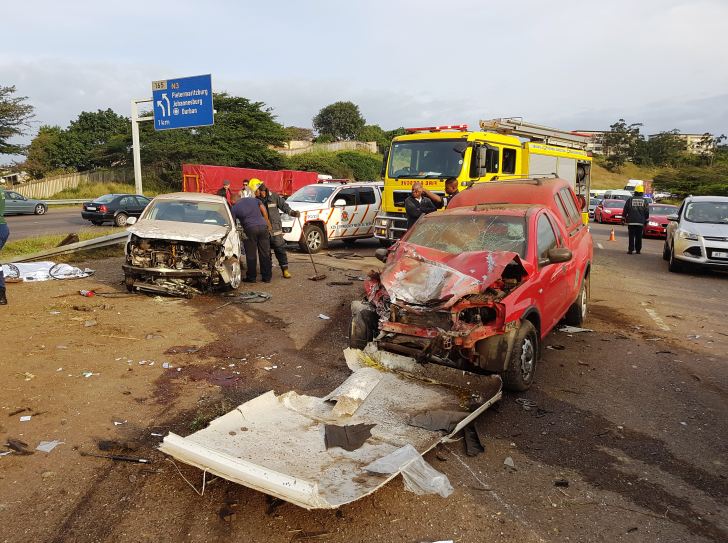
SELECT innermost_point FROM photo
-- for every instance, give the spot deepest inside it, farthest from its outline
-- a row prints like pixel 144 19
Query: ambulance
pixel 332 211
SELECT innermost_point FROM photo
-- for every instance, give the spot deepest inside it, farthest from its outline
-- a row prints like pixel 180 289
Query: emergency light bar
pixel 456 127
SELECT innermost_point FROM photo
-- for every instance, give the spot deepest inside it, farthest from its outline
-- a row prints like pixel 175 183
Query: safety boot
pixel 286 273
pixel 3 298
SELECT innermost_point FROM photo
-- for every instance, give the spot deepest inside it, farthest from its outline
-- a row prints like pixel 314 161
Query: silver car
pixel 698 234
pixel 17 204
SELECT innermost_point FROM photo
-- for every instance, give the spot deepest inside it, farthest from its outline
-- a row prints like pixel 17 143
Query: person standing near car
pixel 451 190
pixel 226 193
pixel 417 205
pixel 246 192
pixel 253 217
pixel 273 203
pixel 635 215
pixel 4 235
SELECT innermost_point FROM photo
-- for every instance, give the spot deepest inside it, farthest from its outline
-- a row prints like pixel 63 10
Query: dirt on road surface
pixel 622 438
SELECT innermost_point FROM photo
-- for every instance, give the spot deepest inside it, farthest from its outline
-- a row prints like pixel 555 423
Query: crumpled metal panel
pixel 181 231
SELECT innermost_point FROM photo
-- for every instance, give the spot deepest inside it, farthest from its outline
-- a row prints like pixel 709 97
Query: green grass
pixel 93 190
pixel 603 179
pixel 29 246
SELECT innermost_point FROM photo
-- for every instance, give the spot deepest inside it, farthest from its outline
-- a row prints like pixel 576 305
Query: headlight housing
pixel 685 234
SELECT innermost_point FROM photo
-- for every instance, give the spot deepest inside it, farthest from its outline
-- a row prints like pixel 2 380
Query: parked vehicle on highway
pixel 115 208
pixel 332 211
pixel 609 211
pixel 184 243
pixel 478 286
pixel 593 203
pixel 656 226
pixel 697 235
pixel 17 204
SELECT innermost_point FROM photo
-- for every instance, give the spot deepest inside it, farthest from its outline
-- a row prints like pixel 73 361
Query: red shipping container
pixel 209 179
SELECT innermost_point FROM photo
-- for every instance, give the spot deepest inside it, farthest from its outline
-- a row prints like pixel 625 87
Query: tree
pixel 44 152
pixel 620 143
pixel 666 148
pixel 295 133
pixel 103 138
pixel 340 121
pixel 373 132
pixel 15 115
pixel 708 146
pixel 706 180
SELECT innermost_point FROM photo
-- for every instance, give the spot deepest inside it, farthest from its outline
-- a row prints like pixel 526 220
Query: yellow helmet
pixel 640 189
pixel 254 183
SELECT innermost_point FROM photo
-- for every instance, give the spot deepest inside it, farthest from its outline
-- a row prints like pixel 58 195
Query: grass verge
pixel 603 179
pixel 94 190
pixel 32 245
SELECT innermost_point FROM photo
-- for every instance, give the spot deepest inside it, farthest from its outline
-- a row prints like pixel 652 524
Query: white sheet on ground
pixel 275 444
pixel 40 271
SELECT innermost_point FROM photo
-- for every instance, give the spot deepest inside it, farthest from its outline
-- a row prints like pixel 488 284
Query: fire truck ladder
pixel 535 132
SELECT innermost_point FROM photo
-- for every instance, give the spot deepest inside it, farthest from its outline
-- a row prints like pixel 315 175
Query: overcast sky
pixel 570 64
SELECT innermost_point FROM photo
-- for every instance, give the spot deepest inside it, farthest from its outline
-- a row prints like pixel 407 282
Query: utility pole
pixel 135 120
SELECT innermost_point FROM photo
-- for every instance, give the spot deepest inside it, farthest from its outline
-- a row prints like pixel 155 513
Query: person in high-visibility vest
pixel 635 215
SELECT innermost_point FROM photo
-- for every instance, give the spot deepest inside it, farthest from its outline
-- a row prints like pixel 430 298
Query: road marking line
pixel 658 320
pixel 600 245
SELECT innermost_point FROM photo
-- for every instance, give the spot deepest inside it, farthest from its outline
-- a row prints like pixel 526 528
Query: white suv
pixel 698 234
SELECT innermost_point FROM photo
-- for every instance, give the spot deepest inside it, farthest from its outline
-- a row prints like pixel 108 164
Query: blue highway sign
pixel 182 102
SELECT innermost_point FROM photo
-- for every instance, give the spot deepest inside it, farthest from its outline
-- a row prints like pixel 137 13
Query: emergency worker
pixel 253 217
pixel 246 191
pixel 273 203
pixel 4 235
pixel 226 193
pixel 417 205
pixel 635 216
pixel 451 190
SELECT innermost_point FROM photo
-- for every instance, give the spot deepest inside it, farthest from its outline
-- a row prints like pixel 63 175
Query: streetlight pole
pixel 135 120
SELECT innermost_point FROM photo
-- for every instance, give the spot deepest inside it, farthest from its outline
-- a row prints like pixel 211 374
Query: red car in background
pixel 478 286
pixel 656 226
pixel 609 211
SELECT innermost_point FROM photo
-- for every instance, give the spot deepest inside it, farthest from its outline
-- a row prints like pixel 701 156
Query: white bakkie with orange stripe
pixel 332 211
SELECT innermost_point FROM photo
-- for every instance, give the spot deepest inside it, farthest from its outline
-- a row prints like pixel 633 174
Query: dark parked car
pixel 17 204
pixel 115 208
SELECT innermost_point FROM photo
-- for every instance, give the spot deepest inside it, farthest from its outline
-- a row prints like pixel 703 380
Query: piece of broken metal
pixel 118 457
pixel 349 437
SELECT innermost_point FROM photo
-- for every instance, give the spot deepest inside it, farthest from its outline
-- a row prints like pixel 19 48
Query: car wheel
pixel 313 239
pixel 235 272
pixel 129 282
pixel 40 209
pixel 363 325
pixel 674 265
pixel 522 364
pixel 665 251
pixel 97 223
pixel 120 219
pixel 576 314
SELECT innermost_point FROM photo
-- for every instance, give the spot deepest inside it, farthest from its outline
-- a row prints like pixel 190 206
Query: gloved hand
pixel 295 213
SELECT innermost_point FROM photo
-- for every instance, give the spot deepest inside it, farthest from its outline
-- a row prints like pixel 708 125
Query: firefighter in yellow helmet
pixel 635 215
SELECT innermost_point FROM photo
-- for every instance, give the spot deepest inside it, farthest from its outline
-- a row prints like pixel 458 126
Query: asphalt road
pixel 56 221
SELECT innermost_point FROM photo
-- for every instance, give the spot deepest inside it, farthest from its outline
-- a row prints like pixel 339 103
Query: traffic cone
pixel 611 235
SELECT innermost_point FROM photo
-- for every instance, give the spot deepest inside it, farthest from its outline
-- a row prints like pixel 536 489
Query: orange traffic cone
pixel 611 235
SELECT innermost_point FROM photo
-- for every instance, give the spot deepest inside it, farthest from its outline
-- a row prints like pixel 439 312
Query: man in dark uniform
pixel 4 235
pixel 273 202
pixel 226 193
pixel 451 190
pixel 635 215
pixel 417 205
pixel 254 219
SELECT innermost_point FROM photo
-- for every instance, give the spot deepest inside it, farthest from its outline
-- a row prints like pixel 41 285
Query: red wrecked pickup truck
pixel 478 286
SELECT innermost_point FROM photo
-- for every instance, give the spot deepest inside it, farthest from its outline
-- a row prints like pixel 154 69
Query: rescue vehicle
pixel 332 211
pixel 433 154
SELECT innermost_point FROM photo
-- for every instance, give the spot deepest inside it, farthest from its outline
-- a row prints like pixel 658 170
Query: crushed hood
pixel 180 231
pixel 421 276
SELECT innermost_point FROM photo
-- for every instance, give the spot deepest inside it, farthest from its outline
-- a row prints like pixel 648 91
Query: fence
pixel 45 188
pixel 300 147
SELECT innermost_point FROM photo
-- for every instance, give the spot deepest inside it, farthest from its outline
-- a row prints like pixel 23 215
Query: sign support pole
pixel 135 120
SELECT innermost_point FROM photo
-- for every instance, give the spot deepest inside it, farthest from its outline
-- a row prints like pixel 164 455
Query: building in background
pixel 596 143
pixel 696 144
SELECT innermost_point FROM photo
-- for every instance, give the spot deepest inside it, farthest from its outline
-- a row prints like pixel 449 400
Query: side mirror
pixel 340 203
pixel 478 161
pixel 673 217
pixel 131 220
pixel 559 254
pixel 383 171
pixel 381 254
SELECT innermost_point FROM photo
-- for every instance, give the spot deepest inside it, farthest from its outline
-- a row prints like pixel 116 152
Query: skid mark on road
pixel 655 317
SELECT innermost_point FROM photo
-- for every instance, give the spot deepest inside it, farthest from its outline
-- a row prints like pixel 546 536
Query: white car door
pixel 343 215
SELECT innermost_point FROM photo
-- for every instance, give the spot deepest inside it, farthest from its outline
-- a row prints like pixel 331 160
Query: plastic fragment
pixel 419 476
pixel 48 446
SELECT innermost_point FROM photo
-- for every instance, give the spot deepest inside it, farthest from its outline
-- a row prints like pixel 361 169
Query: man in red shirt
pixel 226 193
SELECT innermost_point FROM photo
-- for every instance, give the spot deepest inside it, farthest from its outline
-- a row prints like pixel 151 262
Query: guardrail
pixel 66 202
pixel 96 243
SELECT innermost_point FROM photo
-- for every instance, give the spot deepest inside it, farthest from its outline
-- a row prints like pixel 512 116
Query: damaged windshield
pixel 193 212
pixel 463 233
pixel 312 194
pixel 421 159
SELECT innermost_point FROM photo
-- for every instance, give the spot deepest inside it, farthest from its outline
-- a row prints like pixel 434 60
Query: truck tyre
pixel 120 219
pixel 522 364
pixel 313 239
pixel 576 314
pixel 386 243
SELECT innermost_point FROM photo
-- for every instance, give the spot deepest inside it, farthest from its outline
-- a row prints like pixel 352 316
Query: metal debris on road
pixel 509 462
pixel 555 347
pixel 574 329
pixel 349 437
pixel 340 283
pixel 20 447
pixel 48 446
pixel 324 317
pixel 118 457
pixel 561 483
pixel 25 418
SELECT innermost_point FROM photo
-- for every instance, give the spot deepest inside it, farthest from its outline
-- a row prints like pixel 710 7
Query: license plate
pixel 720 254
pixel 618 216
pixel 90 208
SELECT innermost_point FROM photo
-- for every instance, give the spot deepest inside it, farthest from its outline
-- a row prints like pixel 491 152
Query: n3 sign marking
pixel 182 103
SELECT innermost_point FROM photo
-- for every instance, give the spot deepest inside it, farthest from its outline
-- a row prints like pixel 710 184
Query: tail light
pixel 103 208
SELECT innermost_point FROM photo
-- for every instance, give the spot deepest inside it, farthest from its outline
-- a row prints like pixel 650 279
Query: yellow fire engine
pixel 433 154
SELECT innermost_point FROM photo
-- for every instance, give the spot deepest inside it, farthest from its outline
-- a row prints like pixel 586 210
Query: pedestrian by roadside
pixel 246 191
pixel 274 204
pixel 417 205
pixel 4 235
pixel 451 190
pixel 635 215
pixel 226 193
pixel 253 218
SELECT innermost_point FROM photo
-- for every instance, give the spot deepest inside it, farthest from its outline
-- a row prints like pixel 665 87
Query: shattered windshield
pixel 422 159
pixel 192 212
pixel 463 233
pixel 312 194
pixel 707 212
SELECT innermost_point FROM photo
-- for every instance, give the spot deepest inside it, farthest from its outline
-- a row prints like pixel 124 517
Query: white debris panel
pixel 43 271
pixel 275 444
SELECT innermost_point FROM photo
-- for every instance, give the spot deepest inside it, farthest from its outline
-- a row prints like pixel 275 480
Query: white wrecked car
pixel 184 243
